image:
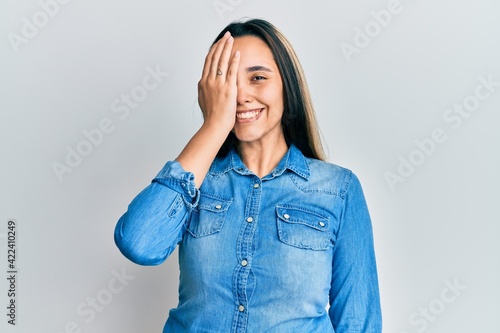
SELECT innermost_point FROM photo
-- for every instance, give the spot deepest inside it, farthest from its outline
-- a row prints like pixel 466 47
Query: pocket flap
pixel 215 205
pixel 208 217
pixel 301 216
pixel 303 228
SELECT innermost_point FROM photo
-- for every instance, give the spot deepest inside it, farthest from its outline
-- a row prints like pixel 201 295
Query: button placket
pixel 244 253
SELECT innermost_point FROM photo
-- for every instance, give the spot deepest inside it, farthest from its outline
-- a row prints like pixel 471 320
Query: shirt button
pixel 322 224
pixel 218 207
pixel 286 216
pixel 241 308
pixel 244 263
pixel 256 185
pixel 250 219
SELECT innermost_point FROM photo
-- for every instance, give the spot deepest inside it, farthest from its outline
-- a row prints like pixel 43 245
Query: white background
pixel 441 224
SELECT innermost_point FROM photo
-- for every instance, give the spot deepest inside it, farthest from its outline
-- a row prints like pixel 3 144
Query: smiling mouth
pixel 249 114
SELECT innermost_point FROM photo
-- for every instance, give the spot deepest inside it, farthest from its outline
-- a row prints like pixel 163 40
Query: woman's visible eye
pixel 258 78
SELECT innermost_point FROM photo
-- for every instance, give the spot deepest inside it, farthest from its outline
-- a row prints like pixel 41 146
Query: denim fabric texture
pixel 291 252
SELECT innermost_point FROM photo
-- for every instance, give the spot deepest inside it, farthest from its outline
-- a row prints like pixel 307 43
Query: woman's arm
pixel 156 219
pixel 354 294
pixel 217 98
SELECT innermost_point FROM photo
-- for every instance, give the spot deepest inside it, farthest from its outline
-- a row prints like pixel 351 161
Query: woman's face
pixel 260 93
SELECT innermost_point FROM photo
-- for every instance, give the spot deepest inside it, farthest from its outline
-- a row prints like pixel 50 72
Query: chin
pixel 246 136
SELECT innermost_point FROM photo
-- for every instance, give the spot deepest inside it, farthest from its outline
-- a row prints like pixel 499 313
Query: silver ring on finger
pixel 219 72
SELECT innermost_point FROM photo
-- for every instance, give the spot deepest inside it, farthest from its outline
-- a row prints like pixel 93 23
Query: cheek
pixel 272 96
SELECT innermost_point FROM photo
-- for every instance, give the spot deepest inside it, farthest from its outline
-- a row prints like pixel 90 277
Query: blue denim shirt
pixel 260 254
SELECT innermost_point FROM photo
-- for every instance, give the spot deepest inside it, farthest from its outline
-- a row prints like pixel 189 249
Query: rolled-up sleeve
pixel 354 293
pixel 156 219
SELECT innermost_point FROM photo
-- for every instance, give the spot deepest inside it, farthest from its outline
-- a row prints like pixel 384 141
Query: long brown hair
pixel 298 121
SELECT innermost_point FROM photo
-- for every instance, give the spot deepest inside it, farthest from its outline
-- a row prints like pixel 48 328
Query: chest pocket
pixel 303 228
pixel 209 216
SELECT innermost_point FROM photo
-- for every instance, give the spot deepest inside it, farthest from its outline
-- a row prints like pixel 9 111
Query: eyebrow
pixel 258 69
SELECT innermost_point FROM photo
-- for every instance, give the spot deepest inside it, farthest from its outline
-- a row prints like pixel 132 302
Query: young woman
pixel 271 237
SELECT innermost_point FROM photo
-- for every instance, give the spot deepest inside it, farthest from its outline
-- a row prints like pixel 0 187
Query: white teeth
pixel 248 114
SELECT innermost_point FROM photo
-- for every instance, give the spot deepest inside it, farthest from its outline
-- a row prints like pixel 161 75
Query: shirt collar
pixel 293 160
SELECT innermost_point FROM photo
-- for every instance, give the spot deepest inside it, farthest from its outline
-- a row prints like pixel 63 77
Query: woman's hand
pixel 217 88
pixel 217 92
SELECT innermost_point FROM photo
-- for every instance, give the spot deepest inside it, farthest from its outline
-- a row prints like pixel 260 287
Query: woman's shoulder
pixel 330 175
pixel 320 168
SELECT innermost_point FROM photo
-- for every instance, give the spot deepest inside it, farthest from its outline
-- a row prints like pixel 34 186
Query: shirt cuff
pixel 176 178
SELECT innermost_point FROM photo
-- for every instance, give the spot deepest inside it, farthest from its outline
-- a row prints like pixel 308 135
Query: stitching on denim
pixel 295 180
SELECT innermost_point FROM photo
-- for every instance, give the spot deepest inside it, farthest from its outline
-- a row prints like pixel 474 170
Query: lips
pixel 248 114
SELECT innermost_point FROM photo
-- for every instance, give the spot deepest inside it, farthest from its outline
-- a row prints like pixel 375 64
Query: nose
pixel 244 93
